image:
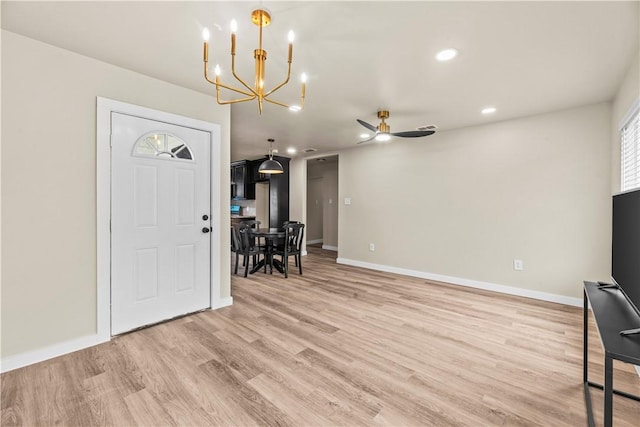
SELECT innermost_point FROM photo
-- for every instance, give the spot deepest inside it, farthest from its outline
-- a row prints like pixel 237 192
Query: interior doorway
pixel 322 202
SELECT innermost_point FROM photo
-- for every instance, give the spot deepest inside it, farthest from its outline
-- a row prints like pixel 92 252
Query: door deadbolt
pixel 205 217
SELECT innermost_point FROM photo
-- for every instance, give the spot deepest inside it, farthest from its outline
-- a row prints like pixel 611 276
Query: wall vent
pixel 309 150
pixel 427 127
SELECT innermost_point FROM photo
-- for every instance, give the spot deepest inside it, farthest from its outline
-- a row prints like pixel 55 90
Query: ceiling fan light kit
pixel 383 130
pixel 261 18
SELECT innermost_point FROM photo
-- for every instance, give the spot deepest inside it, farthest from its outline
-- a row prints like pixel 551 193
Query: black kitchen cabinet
pixel 244 175
pixel 242 186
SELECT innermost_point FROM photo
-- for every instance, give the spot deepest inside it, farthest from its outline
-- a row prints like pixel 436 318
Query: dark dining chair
pixel 280 240
pixel 292 246
pixel 245 246
pixel 255 224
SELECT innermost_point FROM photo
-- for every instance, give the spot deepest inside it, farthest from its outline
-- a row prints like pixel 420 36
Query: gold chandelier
pixel 261 18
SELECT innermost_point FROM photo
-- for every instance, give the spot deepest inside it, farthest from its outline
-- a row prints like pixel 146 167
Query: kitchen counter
pixel 237 219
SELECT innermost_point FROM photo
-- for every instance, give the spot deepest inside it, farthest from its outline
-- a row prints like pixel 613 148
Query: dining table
pixel 270 236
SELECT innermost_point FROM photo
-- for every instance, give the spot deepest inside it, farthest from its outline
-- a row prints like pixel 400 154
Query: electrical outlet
pixel 518 265
pixel 372 247
pixel 347 200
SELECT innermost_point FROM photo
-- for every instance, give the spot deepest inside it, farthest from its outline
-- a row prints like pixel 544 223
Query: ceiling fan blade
pixel 367 125
pixel 367 140
pixel 414 133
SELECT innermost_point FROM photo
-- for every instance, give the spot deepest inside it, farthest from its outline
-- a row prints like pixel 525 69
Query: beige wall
pixel 466 203
pixel 298 191
pixel 628 93
pixel 49 184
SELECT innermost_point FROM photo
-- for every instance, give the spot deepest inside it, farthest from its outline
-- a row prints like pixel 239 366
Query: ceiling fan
pixel 383 130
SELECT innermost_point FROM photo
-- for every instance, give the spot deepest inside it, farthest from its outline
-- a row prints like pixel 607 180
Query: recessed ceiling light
pixel 295 108
pixel 291 150
pixel 488 110
pixel 447 54
pixel 364 135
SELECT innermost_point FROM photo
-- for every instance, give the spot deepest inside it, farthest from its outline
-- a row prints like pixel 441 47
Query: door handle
pixel 206 229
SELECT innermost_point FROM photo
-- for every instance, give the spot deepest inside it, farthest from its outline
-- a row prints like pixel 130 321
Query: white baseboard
pixel 313 242
pixel 40 355
pixel 510 290
pixel 330 248
pixel 30 357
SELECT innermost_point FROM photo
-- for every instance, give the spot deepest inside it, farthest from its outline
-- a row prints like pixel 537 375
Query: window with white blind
pixel 630 149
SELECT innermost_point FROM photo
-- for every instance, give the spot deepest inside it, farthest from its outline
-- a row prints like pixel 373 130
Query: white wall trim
pixel 224 302
pixel 313 242
pixel 509 290
pixel 330 248
pixel 30 357
pixel 104 108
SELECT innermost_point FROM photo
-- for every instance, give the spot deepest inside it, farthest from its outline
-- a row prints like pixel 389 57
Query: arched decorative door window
pixel 162 145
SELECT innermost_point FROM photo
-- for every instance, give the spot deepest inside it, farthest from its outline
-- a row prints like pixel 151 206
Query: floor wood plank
pixel 338 345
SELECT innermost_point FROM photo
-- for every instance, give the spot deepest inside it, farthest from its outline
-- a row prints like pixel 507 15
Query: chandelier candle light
pixel 261 18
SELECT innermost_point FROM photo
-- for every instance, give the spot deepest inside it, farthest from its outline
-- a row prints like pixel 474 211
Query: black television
pixel 625 245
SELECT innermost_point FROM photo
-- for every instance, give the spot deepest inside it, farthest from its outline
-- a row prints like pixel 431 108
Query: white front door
pixel 160 240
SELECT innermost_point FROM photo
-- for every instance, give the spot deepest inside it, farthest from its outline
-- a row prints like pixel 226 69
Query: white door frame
pixel 105 107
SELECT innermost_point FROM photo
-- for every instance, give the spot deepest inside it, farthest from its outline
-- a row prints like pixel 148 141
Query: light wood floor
pixel 336 346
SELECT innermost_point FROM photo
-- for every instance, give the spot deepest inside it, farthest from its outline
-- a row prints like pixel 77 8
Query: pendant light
pixel 271 166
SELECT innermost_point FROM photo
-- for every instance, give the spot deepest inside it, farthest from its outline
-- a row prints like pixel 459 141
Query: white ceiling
pixel 522 57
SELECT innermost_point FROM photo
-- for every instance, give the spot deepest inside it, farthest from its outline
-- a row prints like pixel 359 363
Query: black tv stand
pixel 630 331
pixel 605 285
pixel 612 313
